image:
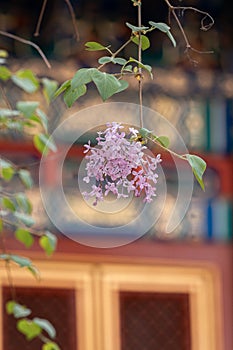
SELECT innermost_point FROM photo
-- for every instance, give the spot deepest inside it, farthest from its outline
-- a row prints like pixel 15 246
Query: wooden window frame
pixel 201 285
pixel 97 288
pixel 57 274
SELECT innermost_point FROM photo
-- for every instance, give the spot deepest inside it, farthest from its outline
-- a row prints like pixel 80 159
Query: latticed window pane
pixel 55 305
pixel 154 321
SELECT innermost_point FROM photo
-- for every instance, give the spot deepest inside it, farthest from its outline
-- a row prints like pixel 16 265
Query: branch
pixel 139 76
pixel 206 15
pixel 114 54
pixel 27 42
pixel 37 31
pixel 204 27
pixel 70 7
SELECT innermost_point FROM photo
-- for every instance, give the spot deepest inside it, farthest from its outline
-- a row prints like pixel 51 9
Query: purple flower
pixel 120 165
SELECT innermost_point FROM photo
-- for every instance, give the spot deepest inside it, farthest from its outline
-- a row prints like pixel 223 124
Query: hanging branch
pixel 204 27
pixel 139 76
pixel 27 42
pixel 37 31
pixel 70 7
pixel 72 14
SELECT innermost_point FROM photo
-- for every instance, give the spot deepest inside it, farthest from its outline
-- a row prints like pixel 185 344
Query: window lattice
pixel 154 321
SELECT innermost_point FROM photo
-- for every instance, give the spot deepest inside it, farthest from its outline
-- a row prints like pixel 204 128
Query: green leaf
pixel 20 260
pixel 71 95
pixel 163 140
pixel 198 167
pixel 27 107
pixel 9 113
pixel 24 218
pixel 105 59
pixel 40 144
pixel 144 132
pixel 29 328
pixel 26 178
pixel 4 164
pixel 10 307
pixel 128 68
pixel 6 169
pixel 3 53
pixel 5 257
pixel 145 41
pixel 171 37
pixel 94 46
pixel 42 119
pixel 23 203
pixel 13 308
pixel 15 125
pixel 1 225
pixel 82 77
pixel 163 27
pixel 50 86
pixel 124 85
pixel 136 29
pixel 26 80
pixel 8 204
pixel 143 66
pixel 35 119
pixel 21 311
pixel 24 237
pixel 5 73
pixel 106 84
pixel 119 60
pixel 48 242
pixel 62 88
pixel 50 346
pixel 34 271
pixel 46 326
pixel 43 143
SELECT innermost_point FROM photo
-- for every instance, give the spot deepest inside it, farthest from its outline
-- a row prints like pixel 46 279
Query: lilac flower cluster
pixel 119 165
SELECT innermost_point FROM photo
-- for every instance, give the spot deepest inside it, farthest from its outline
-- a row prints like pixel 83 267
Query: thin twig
pixel 183 157
pixel 122 47
pixel 205 14
pixel 27 42
pixel 114 54
pixel 37 31
pixel 172 9
pixel 70 7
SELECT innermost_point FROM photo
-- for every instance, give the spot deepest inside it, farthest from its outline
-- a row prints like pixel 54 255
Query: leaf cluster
pixel 109 84
pixel 28 114
pixel 33 328
pixel 16 207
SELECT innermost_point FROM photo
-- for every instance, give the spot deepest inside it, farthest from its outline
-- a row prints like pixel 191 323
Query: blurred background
pixel 195 94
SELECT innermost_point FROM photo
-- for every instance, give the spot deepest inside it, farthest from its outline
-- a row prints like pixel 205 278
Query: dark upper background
pixel 103 20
